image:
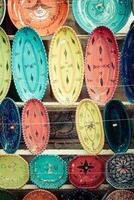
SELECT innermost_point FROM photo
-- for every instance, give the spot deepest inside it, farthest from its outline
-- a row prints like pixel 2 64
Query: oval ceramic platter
pixel 66 66
pixel 87 172
pixel 44 16
pixel 10 126
pixel 117 126
pixel 120 195
pixel 89 126
pixel 35 126
pixel 127 65
pixel 120 171
pixel 5 195
pixel 48 171
pixel 2 10
pixel 90 14
pixel 14 172
pixel 5 64
pixel 101 65
pixel 29 64
pixel 40 195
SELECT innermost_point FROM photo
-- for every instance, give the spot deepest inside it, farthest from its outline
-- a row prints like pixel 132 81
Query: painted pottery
pixel 2 10
pixel 120 195
pixel 5 195
pixel 89 126
pixel 66 66
pixel 101 65
pixel 133 6
pixel 29 64
pixel 10 129
pixel 44 16
pixel 40 195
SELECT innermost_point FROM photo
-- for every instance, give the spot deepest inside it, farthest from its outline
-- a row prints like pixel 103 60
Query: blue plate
pixel 48 171
pixel 92 13
pixel 127 65
pixel 29 64
pixel 10 126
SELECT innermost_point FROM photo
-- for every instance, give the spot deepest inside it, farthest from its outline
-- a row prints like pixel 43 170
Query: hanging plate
pixel 133 6
pixel 120 195
pixel 90 14
pixel 5 64
pixel 101 65
pixel 14 172
pixel 89 126
pixel 10 126
pixel 87 172
pixel 120 171
pixel 66 66
pixel 35 126
pixel 29 64
pixel 44 16
pixel 127 63
pixel 40 195
pixel 2 10
pixel 5 195
pixel 117 126
pixel 48 171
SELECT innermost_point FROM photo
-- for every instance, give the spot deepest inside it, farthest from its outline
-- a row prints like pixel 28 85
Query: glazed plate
pixel 10 126
pixel 48 171
pixel 40 195
pixel 66 66
pixel 117 126
pixel 14 172
pixel 120 195
pixel 87 172
pixel 5 64
pixel 29 64
pixel 5 195
pixel 120 171
pixel 90 14
pixel 35 126
pixel 101 65
pixel 133 6
pixel 89 126
pixel 2 10
pixel 44 16
pixel 127 63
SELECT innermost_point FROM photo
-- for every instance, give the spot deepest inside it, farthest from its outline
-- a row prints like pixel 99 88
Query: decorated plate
pixel 35 126
pixel 101 65
pixel 5 64
pixel 117 126
pixel 90 14
pixel 40 195
pixel 2 10
pixel 44 16
pixel 5 195
pixel 29 64
pixel 66 66
pixel 14 172
pixel 89 126
pixel 87 172
pixel 133 6
pixel 127 65
pixel 120 171
pixel 48 171
pixel 120 195
pixel 10 126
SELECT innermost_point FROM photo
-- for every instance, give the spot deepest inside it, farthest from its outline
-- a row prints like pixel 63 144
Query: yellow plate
pixel 66 66
pixel 89 126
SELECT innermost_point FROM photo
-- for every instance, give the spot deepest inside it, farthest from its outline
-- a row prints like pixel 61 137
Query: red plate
pixel 35 126
pixel 40 195
pixel 87 172
pixel 101 65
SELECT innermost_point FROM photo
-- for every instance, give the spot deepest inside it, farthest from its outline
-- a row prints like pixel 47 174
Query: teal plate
pixel 110 13
pixel 48 171
pixel 29 64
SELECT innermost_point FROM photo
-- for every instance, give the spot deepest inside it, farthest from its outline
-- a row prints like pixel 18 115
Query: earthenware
pixel 2 10
pixel 40 195
pixel 120 195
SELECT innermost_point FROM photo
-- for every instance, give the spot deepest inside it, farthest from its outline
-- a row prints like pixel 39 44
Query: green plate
pixel 5 195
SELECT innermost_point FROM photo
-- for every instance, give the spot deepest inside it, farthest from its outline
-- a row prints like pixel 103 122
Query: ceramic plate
pixel 87 172
pixel 14 172
pixel 35 126
pixel 48 171
pixel 127 63
pixel 10 126
pixel 2 10
pixel 5 64
pixel 40 195
pixel 29 64
pixel 44 16
pixel 133 6
pixel 90 14
pixel 117 126
pixel 66 66
pixel 120 171
pixel 120 195
pixel 89 126
pixel 101 65
pixel 5 195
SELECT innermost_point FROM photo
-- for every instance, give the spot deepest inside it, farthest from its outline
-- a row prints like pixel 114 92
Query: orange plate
pixel 43 15
pixel 40 195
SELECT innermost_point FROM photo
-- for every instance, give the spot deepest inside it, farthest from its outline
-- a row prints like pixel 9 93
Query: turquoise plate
pixel 29 64
pixel 48 171
pixel 110 13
